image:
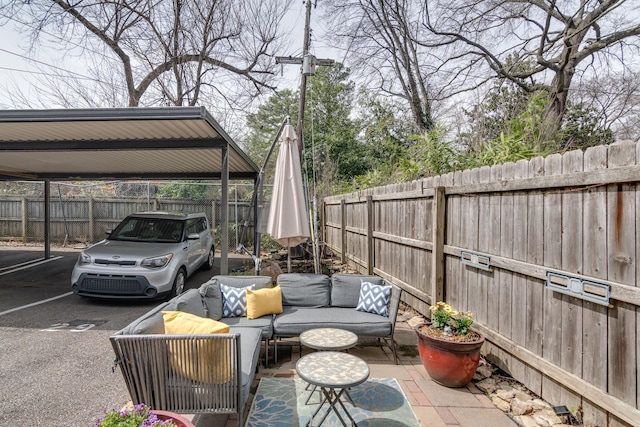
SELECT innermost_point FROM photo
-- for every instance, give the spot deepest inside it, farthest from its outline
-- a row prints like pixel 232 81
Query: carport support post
pixel 224 215
pixel 47 219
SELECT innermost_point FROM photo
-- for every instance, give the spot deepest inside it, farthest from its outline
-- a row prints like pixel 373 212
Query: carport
pixel 121 143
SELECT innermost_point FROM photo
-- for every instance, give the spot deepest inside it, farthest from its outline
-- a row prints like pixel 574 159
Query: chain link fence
pixel 81 213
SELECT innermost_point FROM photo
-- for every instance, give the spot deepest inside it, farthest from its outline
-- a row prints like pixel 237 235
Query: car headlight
pixel 84 259
pixel 156 262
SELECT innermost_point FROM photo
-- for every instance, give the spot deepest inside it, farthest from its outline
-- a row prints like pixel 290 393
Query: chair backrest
pixel 181 373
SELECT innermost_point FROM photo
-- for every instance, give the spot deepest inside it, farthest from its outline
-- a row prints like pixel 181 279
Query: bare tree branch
pixel 168 49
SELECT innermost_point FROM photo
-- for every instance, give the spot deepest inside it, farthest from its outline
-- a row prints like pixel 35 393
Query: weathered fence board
pixel 552 338
pixel 622 326
pixel 572 209
pixel 594 316
pixel 533 291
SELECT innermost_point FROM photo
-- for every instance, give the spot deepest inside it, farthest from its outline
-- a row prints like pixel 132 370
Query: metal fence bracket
pixel 598 293
pixel 473 259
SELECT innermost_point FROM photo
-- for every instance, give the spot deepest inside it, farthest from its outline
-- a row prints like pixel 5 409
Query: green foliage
pixel 351 149
pixel 384 128
pixel 447 319
pixel 190 190
pixel 264 124
pixel 581 128
pixel 463 322
pixel 434 154
pixel 522 137
pixel 491 117
pixel 512 125
pixel 332 149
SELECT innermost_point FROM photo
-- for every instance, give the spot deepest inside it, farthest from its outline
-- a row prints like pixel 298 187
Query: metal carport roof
pixel 120 143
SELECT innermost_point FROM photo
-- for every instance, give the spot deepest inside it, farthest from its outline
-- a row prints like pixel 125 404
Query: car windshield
pixel 154 230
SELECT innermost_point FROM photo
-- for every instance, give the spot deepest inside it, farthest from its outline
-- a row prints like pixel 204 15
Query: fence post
pixel 91 220
pixel 24 220
pixel 343 232
pixel 437 254
pixel 370 259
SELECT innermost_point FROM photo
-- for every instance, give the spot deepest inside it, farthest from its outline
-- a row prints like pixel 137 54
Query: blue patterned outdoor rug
pixel 379 402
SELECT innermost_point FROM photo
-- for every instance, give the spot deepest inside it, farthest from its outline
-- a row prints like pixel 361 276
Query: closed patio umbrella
pixel 288 221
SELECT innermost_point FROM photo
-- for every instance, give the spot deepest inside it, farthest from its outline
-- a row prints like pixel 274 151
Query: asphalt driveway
pixel 55 356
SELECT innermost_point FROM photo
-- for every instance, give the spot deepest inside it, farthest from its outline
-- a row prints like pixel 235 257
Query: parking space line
pixel 33 304
pixel 26 265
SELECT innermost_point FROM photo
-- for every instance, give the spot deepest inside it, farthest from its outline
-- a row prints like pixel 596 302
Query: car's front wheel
pixel 208 264
pixel 178 283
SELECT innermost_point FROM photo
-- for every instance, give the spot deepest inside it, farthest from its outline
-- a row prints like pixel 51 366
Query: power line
pixel 55 67
pixel 57 36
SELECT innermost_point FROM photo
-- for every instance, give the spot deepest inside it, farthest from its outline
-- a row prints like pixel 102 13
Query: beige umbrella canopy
pixel 288 221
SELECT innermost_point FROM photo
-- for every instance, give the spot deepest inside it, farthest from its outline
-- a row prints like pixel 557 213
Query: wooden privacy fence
pixel 544 252
pixel 85 219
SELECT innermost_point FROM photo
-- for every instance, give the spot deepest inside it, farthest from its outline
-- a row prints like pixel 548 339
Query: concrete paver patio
pixel 434 405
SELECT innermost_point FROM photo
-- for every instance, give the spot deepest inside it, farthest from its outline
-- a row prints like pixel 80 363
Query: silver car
pixel 148 255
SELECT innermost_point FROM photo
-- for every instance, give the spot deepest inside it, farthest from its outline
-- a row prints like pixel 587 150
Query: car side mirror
pixel 108 232
pixel 193 236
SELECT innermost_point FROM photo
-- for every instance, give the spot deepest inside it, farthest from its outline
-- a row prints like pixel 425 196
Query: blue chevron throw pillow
pixel 374 299
pixel 234 300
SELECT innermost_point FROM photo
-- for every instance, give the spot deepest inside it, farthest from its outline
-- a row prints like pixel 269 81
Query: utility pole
pixel 303 78
pixel 309 63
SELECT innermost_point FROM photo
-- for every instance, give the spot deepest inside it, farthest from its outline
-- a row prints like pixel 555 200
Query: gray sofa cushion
pixel 151 322
pixel 345 288
pixel 244 281
pixel 212 297
pixel 264 323
pixel 305 290
pixel 190 302
pixel 250 339
pixel 295 320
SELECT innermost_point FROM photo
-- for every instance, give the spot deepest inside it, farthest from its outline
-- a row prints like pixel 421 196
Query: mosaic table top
pixel 328 339
pixel 332 369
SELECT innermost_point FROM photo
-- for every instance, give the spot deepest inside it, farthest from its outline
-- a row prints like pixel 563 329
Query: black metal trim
pixel 58 176
pixel 113 145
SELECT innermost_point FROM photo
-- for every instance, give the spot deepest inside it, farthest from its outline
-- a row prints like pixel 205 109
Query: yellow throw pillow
pixel 198 360
pixel 264 301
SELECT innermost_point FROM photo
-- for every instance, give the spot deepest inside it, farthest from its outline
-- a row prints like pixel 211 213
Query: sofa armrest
pixel 394 304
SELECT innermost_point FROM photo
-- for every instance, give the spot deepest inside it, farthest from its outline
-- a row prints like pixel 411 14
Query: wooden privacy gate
pixel 544 252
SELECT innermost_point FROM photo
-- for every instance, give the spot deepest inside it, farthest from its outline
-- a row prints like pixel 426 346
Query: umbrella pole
pixel 288 259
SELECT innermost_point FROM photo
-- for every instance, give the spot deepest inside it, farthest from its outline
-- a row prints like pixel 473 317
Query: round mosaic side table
pixel 333 372
pixel 328 339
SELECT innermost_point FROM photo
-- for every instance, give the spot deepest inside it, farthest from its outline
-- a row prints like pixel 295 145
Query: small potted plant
pixel 449 350
pixel 141 416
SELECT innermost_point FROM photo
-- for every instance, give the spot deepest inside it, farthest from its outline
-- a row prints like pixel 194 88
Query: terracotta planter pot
pixel 449 363
pixel 177 419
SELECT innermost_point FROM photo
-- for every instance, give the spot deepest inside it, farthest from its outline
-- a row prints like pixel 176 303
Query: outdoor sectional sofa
pixel 317 301
pixel 212 373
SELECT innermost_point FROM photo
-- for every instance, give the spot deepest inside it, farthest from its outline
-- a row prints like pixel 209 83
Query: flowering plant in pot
pixel 449 349
pixel 141 416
